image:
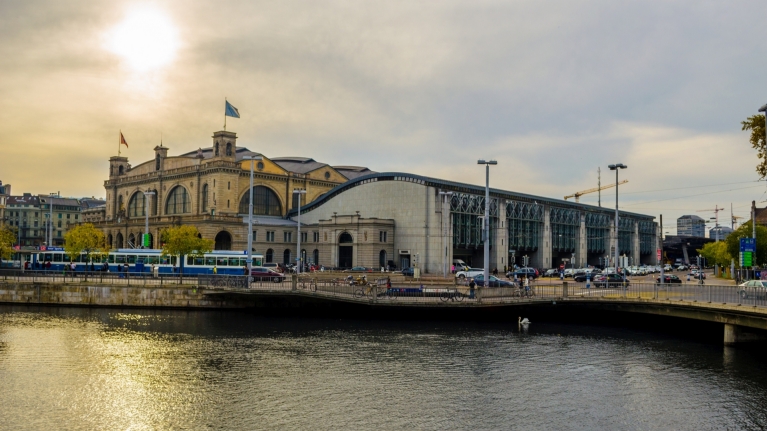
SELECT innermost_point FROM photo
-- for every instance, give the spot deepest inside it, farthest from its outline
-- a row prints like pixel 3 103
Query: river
pixel 84 369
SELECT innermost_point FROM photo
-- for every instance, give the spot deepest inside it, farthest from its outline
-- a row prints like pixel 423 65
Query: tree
pixel 7 240
pixel 755 124
pixel 183 241
pixel 716 253
pixel 744 231
pixel 85 238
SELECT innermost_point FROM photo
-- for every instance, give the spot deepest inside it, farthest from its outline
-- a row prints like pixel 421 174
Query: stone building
pixel 31 214
pixel 5 192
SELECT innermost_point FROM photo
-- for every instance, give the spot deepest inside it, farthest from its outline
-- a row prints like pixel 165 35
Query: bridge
pixel 742 311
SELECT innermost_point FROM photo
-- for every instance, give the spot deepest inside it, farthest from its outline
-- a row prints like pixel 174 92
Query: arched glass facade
pixel 136 206
pixel 265 202
pixel 178 201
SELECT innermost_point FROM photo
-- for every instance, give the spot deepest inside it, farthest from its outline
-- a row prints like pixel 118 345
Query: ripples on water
pixel 88 369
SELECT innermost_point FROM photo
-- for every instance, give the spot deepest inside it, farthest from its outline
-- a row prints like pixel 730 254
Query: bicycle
pixel 309 284
pixel 367 291
pixel 451 295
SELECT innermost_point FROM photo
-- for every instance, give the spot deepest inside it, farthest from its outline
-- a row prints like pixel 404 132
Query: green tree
pixel 85 238
pixel 716 253
pixel 755 124
pixel 184 241
pixel 7 240
pixel 733 242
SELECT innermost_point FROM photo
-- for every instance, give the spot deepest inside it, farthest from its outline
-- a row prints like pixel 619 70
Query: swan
pixel 522 321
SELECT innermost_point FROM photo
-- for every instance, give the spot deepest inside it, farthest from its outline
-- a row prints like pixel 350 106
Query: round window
pixel 327 175
pixel 260 166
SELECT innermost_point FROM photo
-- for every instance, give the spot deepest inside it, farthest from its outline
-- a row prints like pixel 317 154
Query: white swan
pixel 522 321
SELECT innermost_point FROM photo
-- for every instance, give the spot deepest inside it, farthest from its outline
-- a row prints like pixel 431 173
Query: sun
pixel 146 39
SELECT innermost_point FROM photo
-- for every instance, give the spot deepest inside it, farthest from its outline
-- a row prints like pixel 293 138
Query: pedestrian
pixel 244 269
pixel 119 271
pixel 452 268
pixel 527 286
pixel 215 269
pixel 156 270
pixel 495 272
pixel 126 269
pixel 472 285
pixel 48 265
pixel 388 282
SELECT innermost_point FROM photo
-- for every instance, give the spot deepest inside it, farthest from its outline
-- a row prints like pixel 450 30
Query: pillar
pixel 636 246
pixel 581 251
pixel 542 257
pixel 499 253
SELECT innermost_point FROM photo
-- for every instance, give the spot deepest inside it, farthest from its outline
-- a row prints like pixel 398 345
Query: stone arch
pixel 223 241
pixel 109 240
pixel 286 256
pixel 269 258
pixel 382 259
pixel 316 257
pixel 345 238
pixel 120 170
pixel 345 250
pixel 228 148
pixel 178 201
pixel 119 240
pixel 265 201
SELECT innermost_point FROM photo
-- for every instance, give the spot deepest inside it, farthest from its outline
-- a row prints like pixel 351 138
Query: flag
pixel 231 111
pixel 122 140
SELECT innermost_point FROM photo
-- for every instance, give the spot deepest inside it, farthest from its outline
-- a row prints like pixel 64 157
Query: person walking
pixel 527 286
pixel 472 285
pixel 215 268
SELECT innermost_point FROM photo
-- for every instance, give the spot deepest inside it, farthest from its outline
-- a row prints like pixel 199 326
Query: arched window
pixel 228 148
pixel 204 198
pixel 382 259
pixel 136 207
pixel 157 163
pixel 286 256
pixel 132 241
pixel 265 202
pixel 316 257
pixel 109 240
pixel 216 151
pixel 120 170
pixel 119 240
pixel 269 256
pixel 345 238
pixel 178 201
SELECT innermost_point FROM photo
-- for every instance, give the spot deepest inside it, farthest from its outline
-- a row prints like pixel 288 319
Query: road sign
pixel 746 258
pixel 748 244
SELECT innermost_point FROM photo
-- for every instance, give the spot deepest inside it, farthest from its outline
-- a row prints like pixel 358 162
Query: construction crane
pixel 716 214
pixel 734 217
pixel 577 195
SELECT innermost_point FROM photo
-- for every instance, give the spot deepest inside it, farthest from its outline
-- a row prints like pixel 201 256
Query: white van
pixel 459 264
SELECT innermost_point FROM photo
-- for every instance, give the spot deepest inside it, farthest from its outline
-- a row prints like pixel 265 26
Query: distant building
pixel 31 213
pixel 5 191
pixel 691 225
pixel 719 232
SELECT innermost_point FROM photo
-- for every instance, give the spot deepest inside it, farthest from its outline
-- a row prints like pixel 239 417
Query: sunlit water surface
pixel 65 368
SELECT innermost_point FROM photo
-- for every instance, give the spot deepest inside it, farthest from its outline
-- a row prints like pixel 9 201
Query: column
pixel 500 252
pixel 581 251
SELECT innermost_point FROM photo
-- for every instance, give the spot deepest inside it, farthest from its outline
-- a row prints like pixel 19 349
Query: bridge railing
pixel 102 277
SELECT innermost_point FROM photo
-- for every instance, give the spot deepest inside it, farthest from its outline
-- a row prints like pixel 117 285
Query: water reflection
pixel 86 369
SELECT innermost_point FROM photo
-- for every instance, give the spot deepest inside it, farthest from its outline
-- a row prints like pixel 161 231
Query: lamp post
pixel 50 219
pixel 250 212
pixel 146 218
pixel 443 233
pixel 486 220
pixel 298 246
pixel 616 167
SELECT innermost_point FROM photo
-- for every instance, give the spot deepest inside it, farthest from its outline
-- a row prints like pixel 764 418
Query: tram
pixel 141 260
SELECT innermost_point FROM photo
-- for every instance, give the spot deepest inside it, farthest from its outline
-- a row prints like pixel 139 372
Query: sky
pixel 552 90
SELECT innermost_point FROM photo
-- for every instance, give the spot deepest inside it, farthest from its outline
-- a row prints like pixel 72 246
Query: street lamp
pixel 250 212
pixel 50 218
pixel 146 218
pixel 616 167
pixel 486 227
pixel 298 246
pixel 443 233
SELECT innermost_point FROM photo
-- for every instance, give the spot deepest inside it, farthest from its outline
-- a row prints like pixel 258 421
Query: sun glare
pixel 146 39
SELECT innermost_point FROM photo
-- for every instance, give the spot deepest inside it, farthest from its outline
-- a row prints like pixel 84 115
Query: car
pixel 697 274
pixel 583 276
pixel 551 273
pixel 526 273
pixel 359 269
pixel 681 268
pixel 469 273
pixel 611 279
pixel 260 273
pixel 408 272
pixel 669 279
pixel 752 288
pixel 494 281
pixel 273 266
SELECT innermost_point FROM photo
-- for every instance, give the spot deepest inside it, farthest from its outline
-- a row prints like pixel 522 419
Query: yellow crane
pixel 577 195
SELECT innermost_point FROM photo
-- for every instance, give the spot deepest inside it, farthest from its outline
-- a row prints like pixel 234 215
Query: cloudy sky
pixel 551 89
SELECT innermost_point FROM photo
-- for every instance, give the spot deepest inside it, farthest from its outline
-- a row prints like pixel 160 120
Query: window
pixel 287 236
pixel 228 185
pixel 68 215
pixel 136 205
pixel 178 201
pixel 270 237
pixel 35 223
pixel 304 236
pixel 59 223
pixel 76 216
pixel 59 215
pixel 286 256
pixel 269 255
pixel 255 235
pixel 227 203
pixel 58 233
pixel 316 236
pixel 204 198
pixel 157 163
pixel 228 148
pixel 382 236
pixel 265 202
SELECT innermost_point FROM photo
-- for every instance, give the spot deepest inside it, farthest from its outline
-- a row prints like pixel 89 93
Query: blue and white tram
pixel 141 260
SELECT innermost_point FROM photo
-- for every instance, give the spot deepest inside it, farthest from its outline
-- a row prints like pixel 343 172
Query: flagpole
pixel 225 114
pixel 118 142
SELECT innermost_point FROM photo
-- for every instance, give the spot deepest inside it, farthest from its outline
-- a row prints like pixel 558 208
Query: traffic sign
pixel 748 244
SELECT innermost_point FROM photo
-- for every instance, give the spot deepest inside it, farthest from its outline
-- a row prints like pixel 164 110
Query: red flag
pixel 122 140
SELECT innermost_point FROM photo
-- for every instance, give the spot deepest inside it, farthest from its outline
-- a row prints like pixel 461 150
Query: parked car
pixel 668 279
pixel 526 272
pixel 273 266
pixel 494 281
pixel 753 288
pixel 408 272
pixel 610 280
pixel 554 272
pixel 581 277
pixel 469 273
pixel 359 269
pixel 259 273
pixel 697 274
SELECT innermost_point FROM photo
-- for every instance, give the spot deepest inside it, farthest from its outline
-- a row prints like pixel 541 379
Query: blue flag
pixel 231 111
